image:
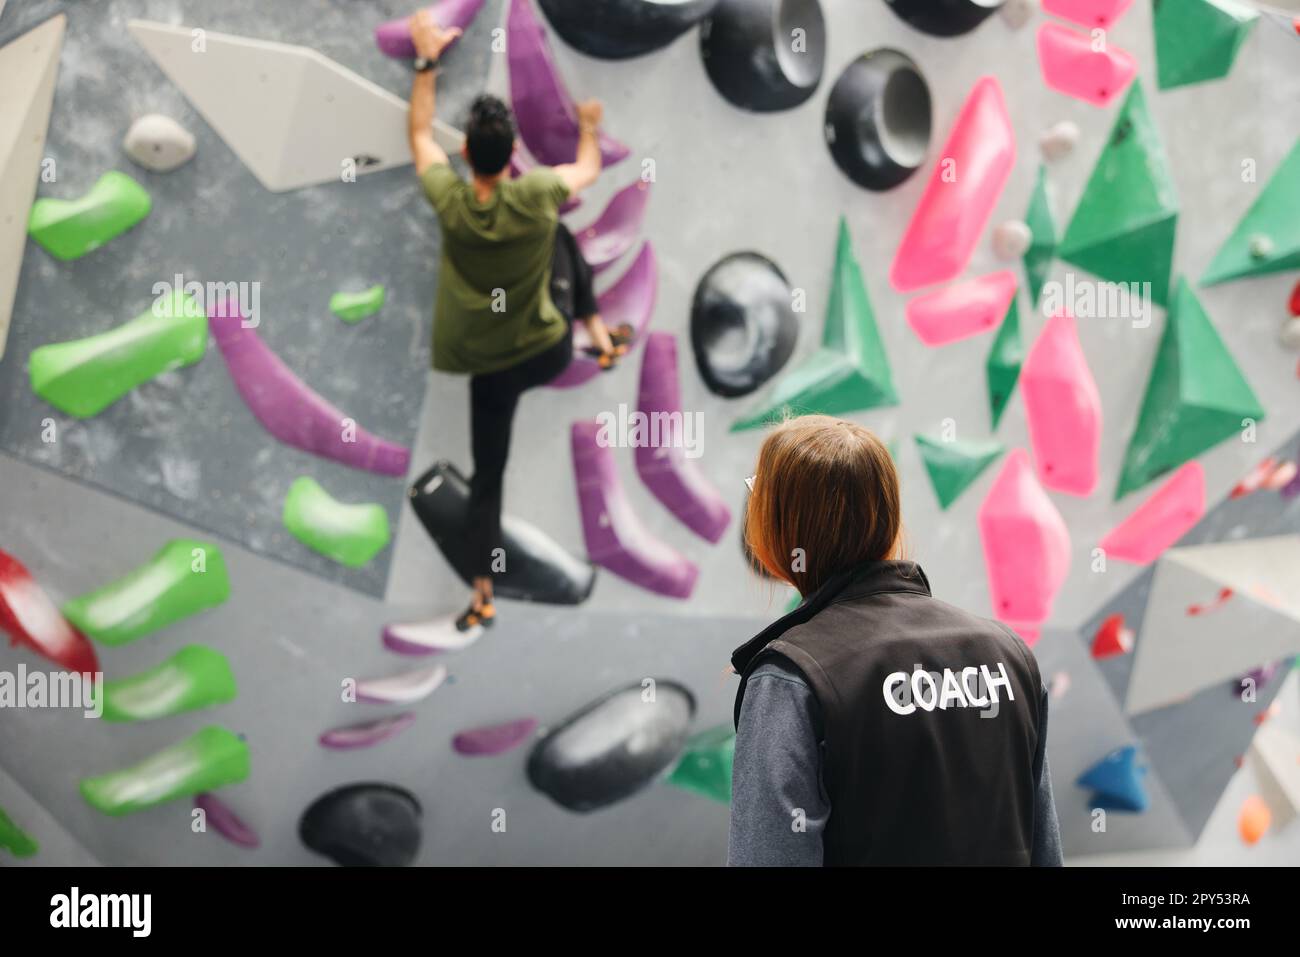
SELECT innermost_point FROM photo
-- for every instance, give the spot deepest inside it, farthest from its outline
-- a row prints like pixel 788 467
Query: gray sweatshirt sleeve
pixel 779 808
pixel 1047 830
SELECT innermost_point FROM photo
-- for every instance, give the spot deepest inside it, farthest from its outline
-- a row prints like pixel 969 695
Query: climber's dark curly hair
pixel 489 135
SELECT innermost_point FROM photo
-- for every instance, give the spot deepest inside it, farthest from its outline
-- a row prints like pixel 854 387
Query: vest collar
pixel 860 581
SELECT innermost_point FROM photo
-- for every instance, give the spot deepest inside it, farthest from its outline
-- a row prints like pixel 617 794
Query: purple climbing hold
pixel 494 739
pixel 394 37
pixel 616 229
pixel 368 734
pixel 225 821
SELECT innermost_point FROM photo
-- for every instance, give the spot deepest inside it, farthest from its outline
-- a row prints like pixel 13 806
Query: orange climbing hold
pixel 1254 819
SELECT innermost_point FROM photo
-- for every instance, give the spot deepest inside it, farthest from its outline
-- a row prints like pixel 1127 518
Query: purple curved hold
pixel 368 734
pixel 630 300
pixel 521 163
pixel 668 469
pixel 615 537
pixel 494 739
pixel 225 821
pixel 1292 488
pixel 616 230
pixel 290 409
pixel 394 37
pixel 544 111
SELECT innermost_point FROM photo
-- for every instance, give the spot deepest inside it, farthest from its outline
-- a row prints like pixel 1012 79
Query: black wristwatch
pixel 424 64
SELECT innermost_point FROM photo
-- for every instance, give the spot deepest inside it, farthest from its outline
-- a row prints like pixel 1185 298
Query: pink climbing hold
pixel 1161 520
pixel 225 821
pixel 1063 408
pixel 494 739
pixel 1026 546
pixel 1071 66
pixel 394 37
pixel 964 187
pixel 1088 13
pixel 616 230
pixel 963 309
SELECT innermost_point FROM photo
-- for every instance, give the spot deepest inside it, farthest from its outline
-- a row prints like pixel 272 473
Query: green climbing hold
pixel 1123 228
pixel 1274 217
pixel 795 601
pixel 182 579
pixel 195 677
pixel 954 465
pixel 850 371
pixel 1198 40
pixel 705 765
pixel 1042 249
pixel 70 228
pixel 1196 397
pixel 355 306
pixel 349 534
pixel 207 760
pixel 85 376
pixel 14 839
pixel 1002 367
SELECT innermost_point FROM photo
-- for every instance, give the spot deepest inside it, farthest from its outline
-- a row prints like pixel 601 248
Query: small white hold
pixel 1261 247
pixel 1016 13
pixel 158 143
pixel 1290 334
pixel 1058 141
pixel 1012 239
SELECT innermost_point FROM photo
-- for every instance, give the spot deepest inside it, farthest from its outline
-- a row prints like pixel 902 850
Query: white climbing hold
pixel 1011 239
pixel 1261 247
pixel 1290 333
pixel 1016 13
pixel 1059 140
pixel 158 143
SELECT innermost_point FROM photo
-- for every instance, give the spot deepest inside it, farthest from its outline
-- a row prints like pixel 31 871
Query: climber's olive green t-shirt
pixel 494 304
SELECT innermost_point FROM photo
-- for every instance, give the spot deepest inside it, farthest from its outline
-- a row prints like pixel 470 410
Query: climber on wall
pixel 510 285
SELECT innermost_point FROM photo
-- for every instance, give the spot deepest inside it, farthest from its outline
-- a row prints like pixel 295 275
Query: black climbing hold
pixel 613 747
pixel 743 324
pixel 364 825
pixel 620 29
pixel 537 568
pixel 944 18
pixel 764 55
pixel 878 119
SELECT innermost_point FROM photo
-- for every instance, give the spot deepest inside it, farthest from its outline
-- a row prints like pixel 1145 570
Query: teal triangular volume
pixel 1198 40
pixel 1267 239
pixel 953 466
pixel 1042 249
pixel 1116 781
pixel 1002 368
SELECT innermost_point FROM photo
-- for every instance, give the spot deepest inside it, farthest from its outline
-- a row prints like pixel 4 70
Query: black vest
pixel 935 767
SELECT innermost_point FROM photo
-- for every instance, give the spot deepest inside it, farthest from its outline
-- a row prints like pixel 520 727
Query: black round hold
pixel 944 18
pixel 743 324
pixel 878 119
pixel 764 55
pixel 620 29
pixel 364 825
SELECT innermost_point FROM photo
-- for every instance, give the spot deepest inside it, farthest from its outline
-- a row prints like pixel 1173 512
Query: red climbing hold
pixel 1293 305
pixel 31 619
pixel 1112 638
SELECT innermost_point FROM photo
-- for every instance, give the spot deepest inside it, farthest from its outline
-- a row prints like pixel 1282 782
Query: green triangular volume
pixel 1002 367
pixel 1122 229
pixel 1195 398
pixel 850 372
pixel 954 465
pixel 1042 250
pixel 706 763
pixel 1273 218
pixel 1198 40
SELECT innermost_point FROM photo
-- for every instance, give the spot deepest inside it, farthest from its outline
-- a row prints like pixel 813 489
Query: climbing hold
pixel 406 688
pixel 355 306
pixel 182 579
pixel 956 206
pixel 494 739
pixel 1002 367
pixel 225 821
pixel 1293 304
pixel 1058 141
pixel 669 469
pixel 68 229
pixel 1254 819
pixel 1259 678
pixel 544 112
pixel 1063 408
pixel 1268 473
pixel 1088 13
pixel 616 230
pixel 613 747
pixel 1290 333
pixel 29 618
pixel 1011 239
pixel 85 376
pixel 616 538
pixel 1161 520
pixel 1195 398
pixel 1042 246
pixel 195 677
pixel 159 143
pixel 1112 638
pixel 288 408
pixel 1198 40
pixel 430 637
pixel 14 839
pixel 1123 227
pixel 1072 64
pixel 850 371
pixel 620 29
pixel 394 37
pixel 1016 13
pixel 539 569
pixel 764 55
pixel 367 734
pixel 1026 545
pixel 743 324
pixel 878 119
pixel 961 310
pixel 349 534
pixel 363 825
pixel 1116 782
pixel 944 18
pixel 953 466
pixel 705 765
pixel 207 760
pixel 1275 215
pixel 1059 685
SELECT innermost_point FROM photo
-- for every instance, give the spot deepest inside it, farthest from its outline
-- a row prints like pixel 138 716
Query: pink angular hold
pixel 1071 66
pixel 963 309
pixel 1026 547
pixel 964 187
pixel 1088 13
pixel 1161 520
pixel 1063 407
